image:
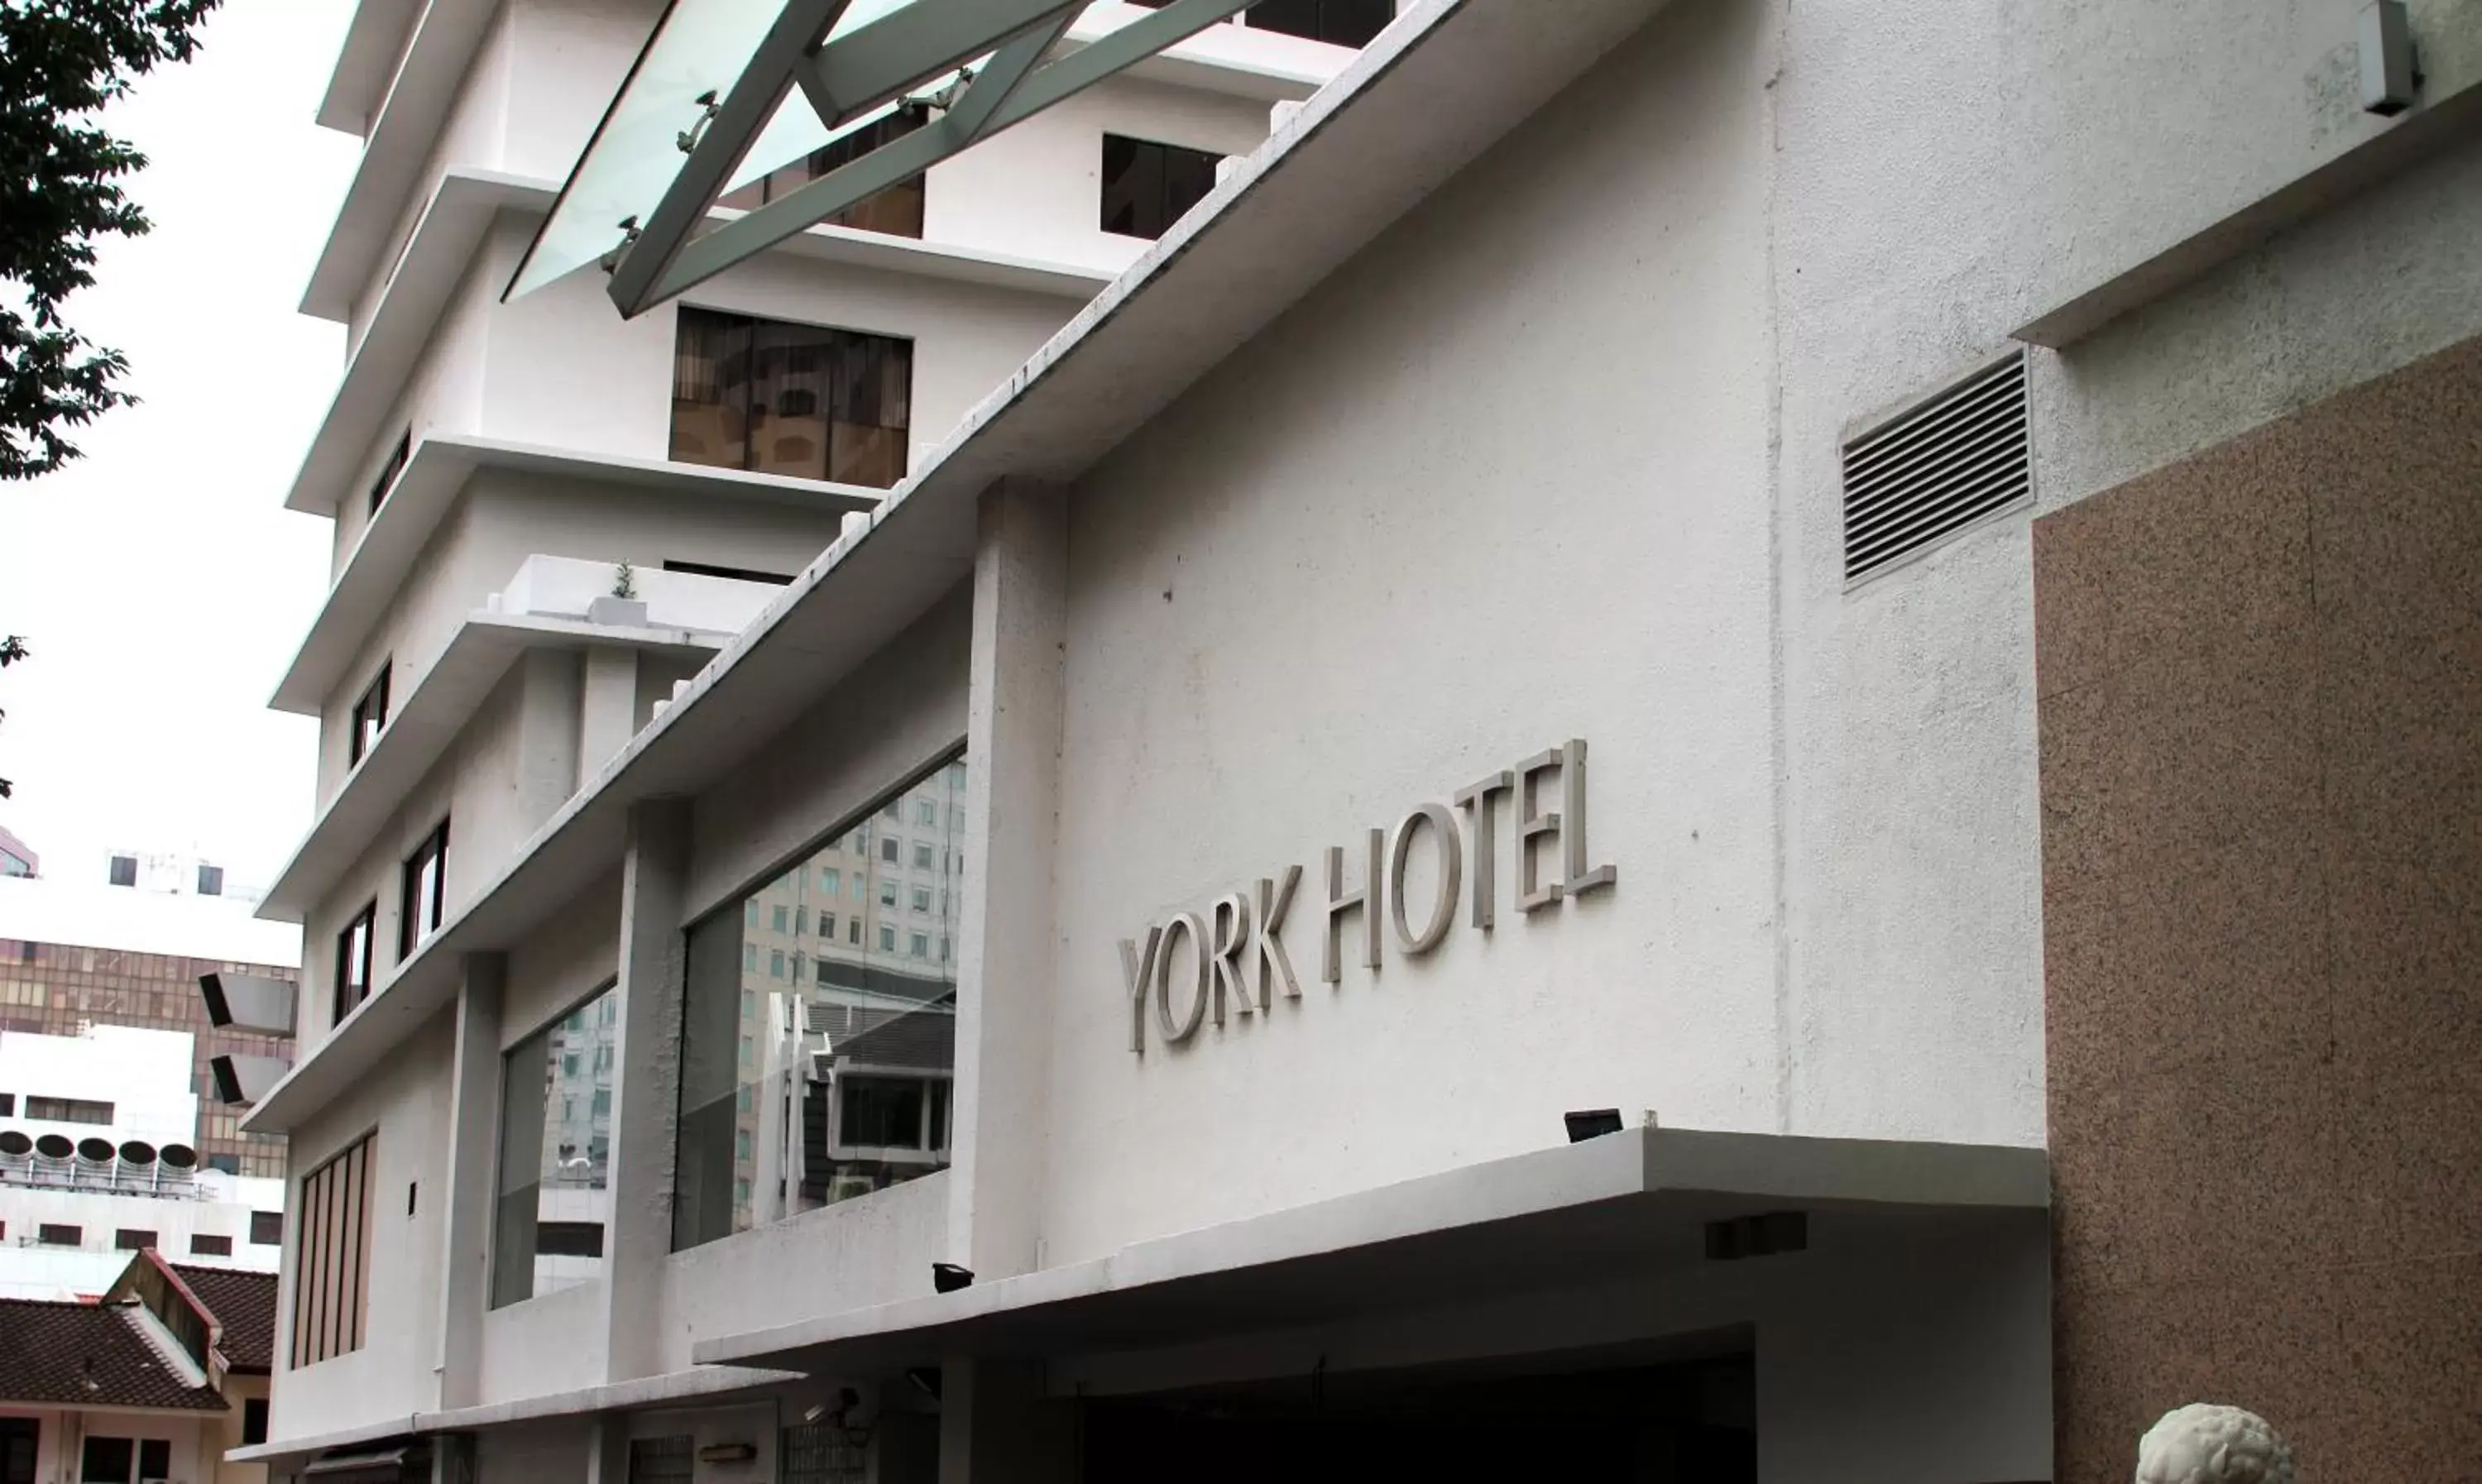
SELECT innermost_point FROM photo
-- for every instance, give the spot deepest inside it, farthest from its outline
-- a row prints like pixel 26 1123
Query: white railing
pixel 568 588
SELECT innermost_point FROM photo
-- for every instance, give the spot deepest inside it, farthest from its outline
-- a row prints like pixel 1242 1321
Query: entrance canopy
pixel 707 108
pixel 1631 1203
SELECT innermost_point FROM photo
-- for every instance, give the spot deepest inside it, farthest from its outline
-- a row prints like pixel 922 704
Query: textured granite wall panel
pixel 2260 680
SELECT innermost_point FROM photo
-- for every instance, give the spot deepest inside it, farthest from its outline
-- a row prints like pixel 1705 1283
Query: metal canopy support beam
pixel 718 147
pixel 1008 92
pixel 854 74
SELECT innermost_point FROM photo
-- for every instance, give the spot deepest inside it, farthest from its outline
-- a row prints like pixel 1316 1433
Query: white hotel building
pixel 1880 600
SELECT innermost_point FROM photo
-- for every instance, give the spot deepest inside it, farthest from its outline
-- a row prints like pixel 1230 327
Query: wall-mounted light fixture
pixel 948 1277
pixel 2390 72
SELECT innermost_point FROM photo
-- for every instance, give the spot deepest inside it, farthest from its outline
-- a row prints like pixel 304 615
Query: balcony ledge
pixel 427 723
pixel 426 488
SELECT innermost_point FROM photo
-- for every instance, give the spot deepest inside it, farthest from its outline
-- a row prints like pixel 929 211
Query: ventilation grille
pixel 1939 467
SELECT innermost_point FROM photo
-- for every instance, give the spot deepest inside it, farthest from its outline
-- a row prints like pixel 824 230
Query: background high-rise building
pixel 78 954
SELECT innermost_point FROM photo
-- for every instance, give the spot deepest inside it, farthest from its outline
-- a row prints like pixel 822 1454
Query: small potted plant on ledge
pixel 622 606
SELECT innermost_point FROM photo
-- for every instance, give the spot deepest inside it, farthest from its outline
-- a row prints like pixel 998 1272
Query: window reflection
pixel 555 1154
pixel 818 1038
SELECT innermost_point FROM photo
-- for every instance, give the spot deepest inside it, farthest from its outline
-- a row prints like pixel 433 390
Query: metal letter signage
pixel 1231 958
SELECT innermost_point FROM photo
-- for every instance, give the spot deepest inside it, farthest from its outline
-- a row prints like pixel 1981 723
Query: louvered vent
pixel 1936 468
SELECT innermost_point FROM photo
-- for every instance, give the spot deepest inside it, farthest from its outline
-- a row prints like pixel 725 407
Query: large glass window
pixel 801 399
pixel 896 210
pixel 800 1091
pixel 1343 22
pixel 425 895
pixel 555 1154
pixel 354 961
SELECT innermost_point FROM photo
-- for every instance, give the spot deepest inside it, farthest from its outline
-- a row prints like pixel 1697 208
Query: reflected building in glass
pixel 819 1021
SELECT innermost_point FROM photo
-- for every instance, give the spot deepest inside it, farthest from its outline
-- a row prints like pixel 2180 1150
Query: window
pixel 52 1234
pixel 923 859
pixel 353 961
pixel 1148 185
pixel 555 1167
pixel 211 880
pixel 882 1113
pixel 887 893
pixel 1342 22
pixel 332 1272
pixel 132 1239
pixel 424 894
pixel 775 964
pixel 761 1073
pixel 925 812
pixel 388 471
pixel 896 210
pixel 888 850
pixel 750 958
pixel 782 917
pixel 202 1245
pixel 20 1439
pixel 119 1459
pixel 124 870
pixel 370 717
pixel 267 1229
pixel 68 1110
pixel 8 1105
pixel 922 899
pixel 791 399
pixel 920 946
pixel 253 1419
pixel 229 1164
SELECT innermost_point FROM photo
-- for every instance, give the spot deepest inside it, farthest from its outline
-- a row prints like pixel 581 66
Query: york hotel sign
pixel 1230 959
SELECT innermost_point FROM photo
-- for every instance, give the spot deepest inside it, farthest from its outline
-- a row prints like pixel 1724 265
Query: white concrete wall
pixel 1037 191
pixel 1346 577
pixel 503 518
pixel 890 720
pixel 143 1076
pixel 852 1255
pixel 547 1344
pixel 60 1441
pixel 404 1104
pixel 32 1270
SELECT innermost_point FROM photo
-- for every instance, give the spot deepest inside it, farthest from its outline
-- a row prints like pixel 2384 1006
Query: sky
pixel 159 581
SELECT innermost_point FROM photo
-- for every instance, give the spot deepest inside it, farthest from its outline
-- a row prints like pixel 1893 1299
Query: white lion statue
pixel 2203 1443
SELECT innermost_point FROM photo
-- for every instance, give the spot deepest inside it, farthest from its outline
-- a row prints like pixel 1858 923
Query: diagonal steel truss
pixel 843 79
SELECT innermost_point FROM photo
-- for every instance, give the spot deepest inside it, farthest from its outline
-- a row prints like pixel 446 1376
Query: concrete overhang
pixel 443 246
pixel 249 1002
pixel 426 488
pixel 403 125
pixel 1628 1203
pixel 674 1388
pixel 426 724
pixel 375 38
pixel 2444 117
pixel 1355 159
pixel 242 1079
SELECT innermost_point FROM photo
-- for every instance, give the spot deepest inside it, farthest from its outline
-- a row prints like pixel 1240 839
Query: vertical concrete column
pixel 653 874
pixel 473 1139
pixel 609 707
pixel 607 1448
pixel 1013 731
pixel 547 733
pixel 996 1426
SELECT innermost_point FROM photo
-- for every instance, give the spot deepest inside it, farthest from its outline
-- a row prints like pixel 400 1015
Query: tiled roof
pixel 244 1303
pixel 88 1355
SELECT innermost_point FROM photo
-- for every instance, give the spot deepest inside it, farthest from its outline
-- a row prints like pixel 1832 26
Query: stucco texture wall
pixel 2260 671
pixel 1336 581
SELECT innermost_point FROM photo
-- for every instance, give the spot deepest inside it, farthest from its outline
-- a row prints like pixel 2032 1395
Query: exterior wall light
pixel 1592 1124
pixel 2390 72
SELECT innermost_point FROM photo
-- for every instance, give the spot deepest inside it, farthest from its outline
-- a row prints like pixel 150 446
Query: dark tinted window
pixel 201 1245
pixel 389 470
pixel 1148 185
pixel 124 870
pixel 132 1239
pixel 799 400
pixel 1344 23
pixel 211 881
pixel 107 1461
pixel 267 1229
pixel 370 715
pixel 54 1234
pixel 253 1419
pixel 354 961
pixel 424 897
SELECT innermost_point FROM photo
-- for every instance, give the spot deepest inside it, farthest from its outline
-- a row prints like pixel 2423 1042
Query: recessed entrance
pixel 1584 1420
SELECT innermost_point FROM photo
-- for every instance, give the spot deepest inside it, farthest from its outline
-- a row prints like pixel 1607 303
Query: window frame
pixel 1116 192
pixel 432 852
pixel 369 714
pixel 354 968
pixel 398 458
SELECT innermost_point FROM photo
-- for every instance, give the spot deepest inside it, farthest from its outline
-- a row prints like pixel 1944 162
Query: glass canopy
pixel 699 49
pixel 727 91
